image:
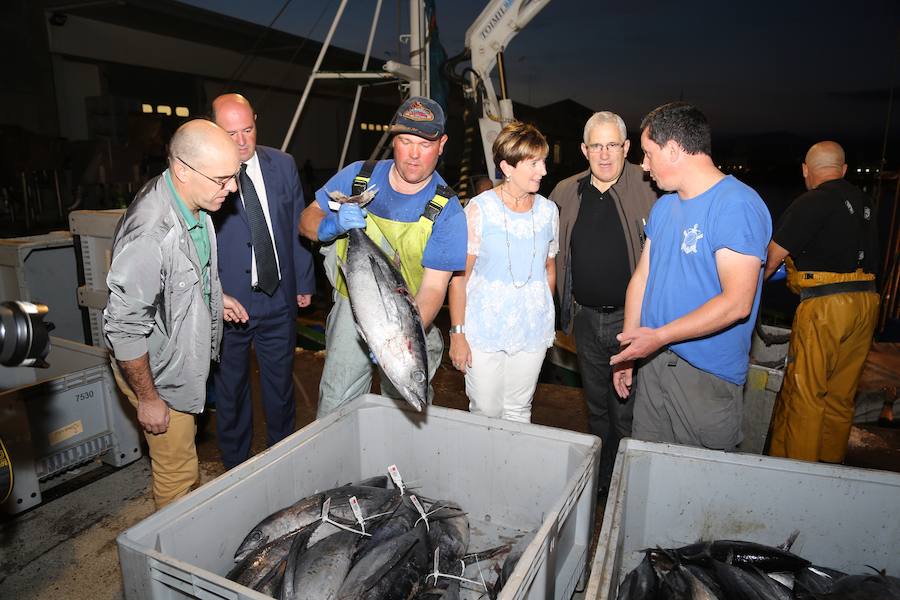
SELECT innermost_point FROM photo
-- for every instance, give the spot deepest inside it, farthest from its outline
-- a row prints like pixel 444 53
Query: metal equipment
pixel 486 39
pixel 56 419
pixel 24 337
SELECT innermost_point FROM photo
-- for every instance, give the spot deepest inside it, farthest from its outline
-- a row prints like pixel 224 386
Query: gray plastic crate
pixel 511 478
pixel 55 419
pixel 669 496
pixel 41 268
pixel 763 383
pixel 94 231
pixel 772 356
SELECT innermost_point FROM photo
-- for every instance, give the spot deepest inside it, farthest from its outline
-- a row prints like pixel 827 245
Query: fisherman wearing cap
pixel 415 217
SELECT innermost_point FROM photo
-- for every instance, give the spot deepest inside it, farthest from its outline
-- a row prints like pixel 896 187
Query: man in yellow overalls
pixel 828 240
pixel 415 217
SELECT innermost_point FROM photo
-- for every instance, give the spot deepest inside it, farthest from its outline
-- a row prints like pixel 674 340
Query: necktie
pixel 266 267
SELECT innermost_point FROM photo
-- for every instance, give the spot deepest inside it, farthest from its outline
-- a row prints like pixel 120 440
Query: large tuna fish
pixel 449 534
pixel 308 511
pixel 260 562
pixel 318 572
pixel 392 571
pixel 386 314
pixel 640 583
pixel 741 554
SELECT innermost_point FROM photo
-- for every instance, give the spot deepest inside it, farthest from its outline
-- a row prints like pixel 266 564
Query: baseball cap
pixel 419 116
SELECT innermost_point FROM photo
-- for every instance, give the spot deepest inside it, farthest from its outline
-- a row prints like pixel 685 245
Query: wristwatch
pixel 458 329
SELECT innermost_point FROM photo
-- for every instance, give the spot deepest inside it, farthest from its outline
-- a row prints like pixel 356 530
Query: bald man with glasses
pixel 602 212
pixel 164 317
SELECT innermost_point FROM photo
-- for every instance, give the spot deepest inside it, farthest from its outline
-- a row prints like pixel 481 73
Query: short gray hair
pixel 598 118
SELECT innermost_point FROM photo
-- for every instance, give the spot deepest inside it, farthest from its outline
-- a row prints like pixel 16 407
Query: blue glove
pixel 779 274
pixel 350 216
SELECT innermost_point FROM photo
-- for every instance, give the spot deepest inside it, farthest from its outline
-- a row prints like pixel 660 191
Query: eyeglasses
pixel 219 181
pixel 610 147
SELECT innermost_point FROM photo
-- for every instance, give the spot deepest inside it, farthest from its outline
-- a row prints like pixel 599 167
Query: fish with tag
pixel 385 311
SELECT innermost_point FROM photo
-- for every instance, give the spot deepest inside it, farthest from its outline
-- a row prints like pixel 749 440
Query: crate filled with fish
pixel 372 539
pixel 721 569
pixel 700 524
pixel 379 501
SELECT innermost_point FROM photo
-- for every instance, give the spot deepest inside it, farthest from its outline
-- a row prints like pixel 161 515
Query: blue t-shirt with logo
pixel 445 249
pixel 685 236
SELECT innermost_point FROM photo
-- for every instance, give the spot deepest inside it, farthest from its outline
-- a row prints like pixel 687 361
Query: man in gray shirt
pixel 163 319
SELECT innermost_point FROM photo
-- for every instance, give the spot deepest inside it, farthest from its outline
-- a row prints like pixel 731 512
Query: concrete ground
pixel 66 546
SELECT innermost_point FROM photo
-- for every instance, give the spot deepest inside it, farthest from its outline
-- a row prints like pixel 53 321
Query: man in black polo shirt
pixel 829 242
pixel 602 213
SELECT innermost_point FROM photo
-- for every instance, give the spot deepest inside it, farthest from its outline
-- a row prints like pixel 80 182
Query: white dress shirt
pixel 255 174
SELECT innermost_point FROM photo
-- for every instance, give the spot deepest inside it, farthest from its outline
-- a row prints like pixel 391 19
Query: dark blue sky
pixel 816 68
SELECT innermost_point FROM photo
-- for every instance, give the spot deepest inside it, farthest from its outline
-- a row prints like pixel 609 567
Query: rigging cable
pixel 249 56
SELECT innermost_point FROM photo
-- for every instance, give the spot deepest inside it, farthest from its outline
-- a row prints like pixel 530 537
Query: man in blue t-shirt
pixel 692 301
pixel 421 221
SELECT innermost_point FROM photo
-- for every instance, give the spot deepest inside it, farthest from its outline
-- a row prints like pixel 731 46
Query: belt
pixel 844 287
pixel 603 309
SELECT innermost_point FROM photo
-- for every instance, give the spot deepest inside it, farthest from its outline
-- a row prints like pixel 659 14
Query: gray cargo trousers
pixel 348 369
pixel 677 403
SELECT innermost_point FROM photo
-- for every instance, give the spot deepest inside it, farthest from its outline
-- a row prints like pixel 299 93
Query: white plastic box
pixel 511 478
pixel 41 268
pixel 55 419
pixel 669 496
pixel 94 231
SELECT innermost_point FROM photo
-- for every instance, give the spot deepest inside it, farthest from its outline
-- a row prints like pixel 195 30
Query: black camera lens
pixel 24 337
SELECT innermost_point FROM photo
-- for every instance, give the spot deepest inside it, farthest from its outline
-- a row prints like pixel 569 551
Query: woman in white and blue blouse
pixel 502 318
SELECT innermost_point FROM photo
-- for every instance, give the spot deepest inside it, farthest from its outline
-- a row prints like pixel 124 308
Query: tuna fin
pixel 789 541
pixel 385 280
pixel 360 332
pixel 341 264
pixel 298 547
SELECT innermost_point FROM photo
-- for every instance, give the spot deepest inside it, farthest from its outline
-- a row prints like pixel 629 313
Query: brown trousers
pixel 173 455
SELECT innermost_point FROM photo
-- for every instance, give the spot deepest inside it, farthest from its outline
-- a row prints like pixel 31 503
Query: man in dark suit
pixel 263 265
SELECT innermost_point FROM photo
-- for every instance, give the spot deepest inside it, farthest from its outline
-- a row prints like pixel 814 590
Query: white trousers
pixel 502 385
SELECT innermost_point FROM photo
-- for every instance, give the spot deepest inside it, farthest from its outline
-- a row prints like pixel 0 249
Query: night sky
pixel 817 69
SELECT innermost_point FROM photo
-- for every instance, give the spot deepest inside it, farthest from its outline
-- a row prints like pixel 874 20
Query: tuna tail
pixel 361 199
pixel 475 557
pixel 379 481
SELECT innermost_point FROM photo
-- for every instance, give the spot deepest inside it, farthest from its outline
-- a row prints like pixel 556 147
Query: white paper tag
pixel 326 506
pixel 357 512
pixel 394 472
pixel 418 506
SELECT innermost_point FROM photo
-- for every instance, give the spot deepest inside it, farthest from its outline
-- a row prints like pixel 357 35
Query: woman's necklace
pixel 509 252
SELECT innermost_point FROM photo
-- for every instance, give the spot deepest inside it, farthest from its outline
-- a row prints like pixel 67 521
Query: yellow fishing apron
pixel 404 242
